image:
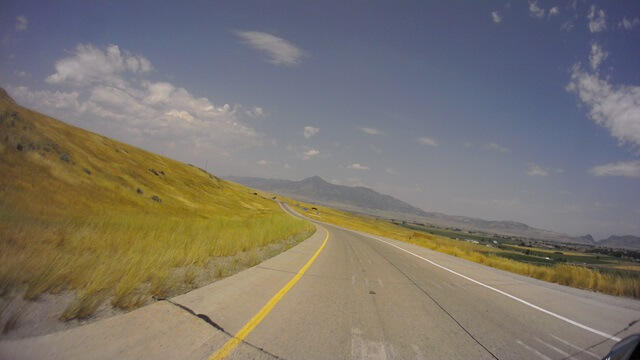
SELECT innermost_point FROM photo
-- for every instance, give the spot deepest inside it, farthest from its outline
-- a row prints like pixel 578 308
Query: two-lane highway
pixel 360 297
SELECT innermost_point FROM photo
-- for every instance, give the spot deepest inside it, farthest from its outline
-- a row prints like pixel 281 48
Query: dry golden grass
pixel 569 275
pixel 77 213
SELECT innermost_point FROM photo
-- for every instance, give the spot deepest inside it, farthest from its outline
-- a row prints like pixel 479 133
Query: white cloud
pixel 617 108
pixel 597 19
pixel 567 25
pixel 370 131
pixel 278 50
pixel 262 162
pixel 309 154
pixel 495 16
pixel 309 131
pixel 498 148
pixel 553 12
pixel 391 171
pixel 92 65
pixel 22 23
pixel 21 73
pixel 629 24
pixel 559 171
pixel 376 149
pixel 427 141
pixel 184 115
pixel 622 168
pixel 287 166
pixel 535 10
pixel 597 56
pixel 536 170
pixel 106 90
pixel 256 112
pixel 357 166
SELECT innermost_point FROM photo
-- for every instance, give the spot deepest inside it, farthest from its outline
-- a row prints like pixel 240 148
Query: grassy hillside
pixel 619 278
pixel 79 211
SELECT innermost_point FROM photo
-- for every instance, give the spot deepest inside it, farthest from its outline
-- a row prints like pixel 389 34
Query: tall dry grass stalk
pixel 79 211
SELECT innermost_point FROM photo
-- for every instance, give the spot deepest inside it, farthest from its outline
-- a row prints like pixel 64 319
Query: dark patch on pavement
pixel 204 317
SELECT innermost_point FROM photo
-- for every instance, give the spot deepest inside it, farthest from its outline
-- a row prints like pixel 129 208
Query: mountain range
pixel 364 200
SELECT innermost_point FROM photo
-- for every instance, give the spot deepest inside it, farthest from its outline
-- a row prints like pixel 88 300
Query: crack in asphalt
pixel 603 341
pixel 208 320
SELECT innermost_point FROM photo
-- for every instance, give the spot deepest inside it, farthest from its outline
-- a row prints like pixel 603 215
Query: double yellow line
pixel 257 318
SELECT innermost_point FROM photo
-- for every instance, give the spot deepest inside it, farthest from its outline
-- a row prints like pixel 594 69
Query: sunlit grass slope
pixel 79 211
pixel 620 284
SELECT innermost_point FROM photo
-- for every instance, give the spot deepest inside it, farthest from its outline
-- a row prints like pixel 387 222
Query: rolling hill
pixel 628 242
pixel 82 212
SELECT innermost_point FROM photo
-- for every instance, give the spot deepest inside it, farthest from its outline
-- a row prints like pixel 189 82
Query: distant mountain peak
pixel 315 179
pixel 316 189
pixel 588 238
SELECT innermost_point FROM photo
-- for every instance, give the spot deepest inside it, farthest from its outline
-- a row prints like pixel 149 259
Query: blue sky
pixel 525 111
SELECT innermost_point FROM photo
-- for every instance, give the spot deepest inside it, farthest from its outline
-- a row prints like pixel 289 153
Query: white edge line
pixel 598 332
pixel 575 323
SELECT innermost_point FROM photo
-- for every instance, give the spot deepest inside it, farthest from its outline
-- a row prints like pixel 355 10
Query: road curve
pixel 363 297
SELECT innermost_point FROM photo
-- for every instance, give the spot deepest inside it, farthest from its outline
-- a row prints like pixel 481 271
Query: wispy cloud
pixel 370 131
pixel 567 25
pixel 357 166
pixel 622 168
pixel 427 141
pixel 376 149
pixel 277 50
pixel 262 162
pixel 310 154
pixel 22 23
pixel 629 24
pixel 597 56
pixel 309 131
pixel 535 11
pixel 597 19
pixel 536 170
pixel 553 12
pixel 391 171
pixel 495 16
pixel 498 148
pixel 617 108
pixel 256 112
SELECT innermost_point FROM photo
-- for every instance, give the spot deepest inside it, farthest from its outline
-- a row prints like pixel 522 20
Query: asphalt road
pixel 363 297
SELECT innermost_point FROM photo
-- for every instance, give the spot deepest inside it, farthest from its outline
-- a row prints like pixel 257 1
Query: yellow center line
pixel 257 318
